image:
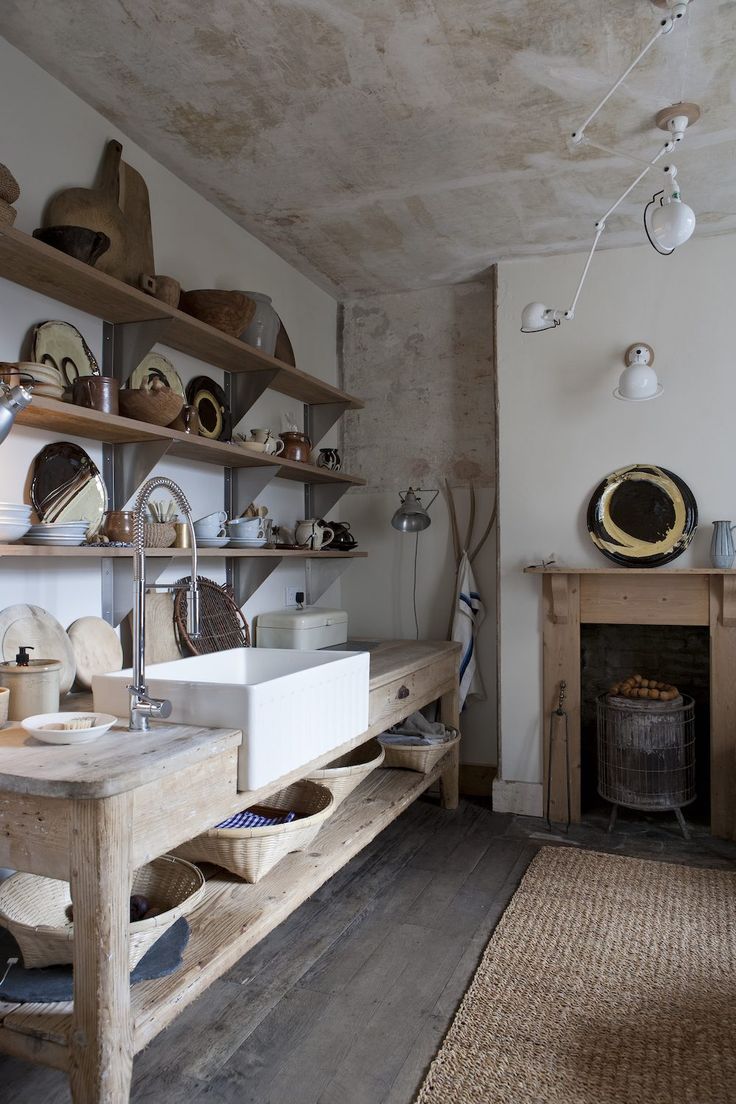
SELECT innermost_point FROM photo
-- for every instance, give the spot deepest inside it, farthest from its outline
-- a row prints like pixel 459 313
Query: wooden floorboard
pixel 349 999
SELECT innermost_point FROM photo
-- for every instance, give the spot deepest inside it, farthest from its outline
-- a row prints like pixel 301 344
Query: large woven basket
pixel 414 756
pixel 343 775
pixel 252 852
pixel 34 910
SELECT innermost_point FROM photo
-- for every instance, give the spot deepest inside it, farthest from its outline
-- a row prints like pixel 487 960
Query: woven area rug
pixel 608 981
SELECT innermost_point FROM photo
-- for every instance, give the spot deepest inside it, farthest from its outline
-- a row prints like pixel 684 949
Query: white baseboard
pixel 524 798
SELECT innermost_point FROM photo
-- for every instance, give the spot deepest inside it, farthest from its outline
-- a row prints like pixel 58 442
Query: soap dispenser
pixel 33 684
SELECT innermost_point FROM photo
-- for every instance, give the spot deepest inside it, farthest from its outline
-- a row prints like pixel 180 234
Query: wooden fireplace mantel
pixel 572 596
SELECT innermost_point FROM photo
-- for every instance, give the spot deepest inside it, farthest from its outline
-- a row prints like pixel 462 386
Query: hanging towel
pixel 469 616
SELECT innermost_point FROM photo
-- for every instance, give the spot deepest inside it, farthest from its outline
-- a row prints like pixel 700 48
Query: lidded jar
pixel 33 684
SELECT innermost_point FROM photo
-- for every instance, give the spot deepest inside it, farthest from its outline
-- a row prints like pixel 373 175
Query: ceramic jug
pixel 722 550
pixel 312 534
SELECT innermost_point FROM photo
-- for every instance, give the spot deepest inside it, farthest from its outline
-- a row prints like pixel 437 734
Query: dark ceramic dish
pixel 76 241
pixel 213 411
pixel 642 516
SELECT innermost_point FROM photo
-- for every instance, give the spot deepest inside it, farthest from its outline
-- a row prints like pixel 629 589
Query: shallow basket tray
pixel 252 852
pixel 414 756
pixel 33 909
pixel 343 775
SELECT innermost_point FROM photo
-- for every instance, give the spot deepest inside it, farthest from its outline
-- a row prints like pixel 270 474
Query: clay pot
pixel 160 407
pixel 96 393
pixel 76 241
pixel 119 525
pixel 188 420
pixel 297 446
pixel 229 311
pixel 165 288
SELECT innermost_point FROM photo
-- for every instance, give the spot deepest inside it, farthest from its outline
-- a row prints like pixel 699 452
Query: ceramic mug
pixel 211 525
pixel 96 393
pixel 313 533
pixel 274 446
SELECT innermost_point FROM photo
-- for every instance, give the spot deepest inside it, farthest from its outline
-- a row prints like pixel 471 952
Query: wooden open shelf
pixel 234 915
pixel 77 421
pixel 31 551
pixel 35 265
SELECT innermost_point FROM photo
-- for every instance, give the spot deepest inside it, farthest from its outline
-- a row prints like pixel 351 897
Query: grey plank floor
pixel 349 999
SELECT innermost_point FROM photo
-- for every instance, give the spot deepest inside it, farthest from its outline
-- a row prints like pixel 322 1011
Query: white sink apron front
pixel 291 705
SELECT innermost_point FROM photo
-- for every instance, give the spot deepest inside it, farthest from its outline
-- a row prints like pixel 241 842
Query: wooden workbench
pixel 92 815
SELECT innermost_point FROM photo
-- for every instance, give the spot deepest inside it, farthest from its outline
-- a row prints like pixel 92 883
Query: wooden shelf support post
pixel 561 661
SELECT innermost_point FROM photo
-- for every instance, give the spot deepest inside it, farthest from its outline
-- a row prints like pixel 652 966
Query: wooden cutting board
pixel 161 641
pixel 96 208
pixel 136 210
pixel 97 649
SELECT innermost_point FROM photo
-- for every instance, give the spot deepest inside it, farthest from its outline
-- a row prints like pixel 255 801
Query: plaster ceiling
pixel 388 144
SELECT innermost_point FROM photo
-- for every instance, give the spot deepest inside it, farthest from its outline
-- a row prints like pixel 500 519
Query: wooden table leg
pixel 101 1041
pixel 450 779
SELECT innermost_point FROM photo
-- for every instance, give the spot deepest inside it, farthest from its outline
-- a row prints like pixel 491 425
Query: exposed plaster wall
pixel 422 360
pixel 561 431
pixel 51 139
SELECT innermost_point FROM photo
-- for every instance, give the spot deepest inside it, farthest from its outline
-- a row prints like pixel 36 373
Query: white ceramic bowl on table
pixel 37 726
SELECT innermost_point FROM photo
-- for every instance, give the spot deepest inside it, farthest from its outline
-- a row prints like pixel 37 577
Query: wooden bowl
pixel 229 311
pixel 160 407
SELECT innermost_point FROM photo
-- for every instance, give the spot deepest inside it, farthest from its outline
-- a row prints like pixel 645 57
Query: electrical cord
pixel 414 593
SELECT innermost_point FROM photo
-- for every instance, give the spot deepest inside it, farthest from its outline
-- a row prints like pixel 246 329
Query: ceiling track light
pixel 670 222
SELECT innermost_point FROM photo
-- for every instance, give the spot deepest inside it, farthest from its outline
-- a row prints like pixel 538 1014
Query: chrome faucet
pixel 142 706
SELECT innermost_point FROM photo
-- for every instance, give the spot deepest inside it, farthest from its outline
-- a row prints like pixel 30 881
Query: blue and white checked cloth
pixel 246 819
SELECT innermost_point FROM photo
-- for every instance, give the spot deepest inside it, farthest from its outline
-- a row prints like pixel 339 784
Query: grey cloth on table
pixel 417 731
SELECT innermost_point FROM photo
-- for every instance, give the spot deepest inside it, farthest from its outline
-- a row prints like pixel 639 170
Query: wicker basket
pixel 414 756
pixel 252 852
pixel 159 534
pixel 33 909
pixel 343 775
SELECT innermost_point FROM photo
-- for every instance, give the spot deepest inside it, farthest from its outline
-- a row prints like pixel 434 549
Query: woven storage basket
pixel 252 852
pixel 159 534
pixel 33 909
pixel 343 775
pixel 415 757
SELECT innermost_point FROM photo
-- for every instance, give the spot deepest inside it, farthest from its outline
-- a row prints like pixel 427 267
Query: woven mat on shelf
pixel 608 981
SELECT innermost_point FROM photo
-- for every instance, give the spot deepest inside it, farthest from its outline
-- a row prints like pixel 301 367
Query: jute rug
pixel 607 981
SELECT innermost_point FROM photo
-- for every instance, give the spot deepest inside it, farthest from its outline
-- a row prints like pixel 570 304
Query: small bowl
pixel 229 311
pixel 13 531
pixel 159 408
pixel 76 241
pixel 35 726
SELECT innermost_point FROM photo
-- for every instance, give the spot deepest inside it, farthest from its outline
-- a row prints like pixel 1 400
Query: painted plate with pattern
pixel 642 516
pixel 61 345
pixel 156 368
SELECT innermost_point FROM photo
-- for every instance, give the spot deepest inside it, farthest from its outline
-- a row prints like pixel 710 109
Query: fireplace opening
pixel 675 654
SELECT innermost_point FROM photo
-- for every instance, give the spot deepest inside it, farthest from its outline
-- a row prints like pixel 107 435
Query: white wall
pixel 51 140
pixel 561 430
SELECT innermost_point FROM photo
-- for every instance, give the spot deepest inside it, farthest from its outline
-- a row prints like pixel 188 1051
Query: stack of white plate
pixel 15 521
pixel 212 542
pixel 67 533
pixel 243 542
pixel 47 379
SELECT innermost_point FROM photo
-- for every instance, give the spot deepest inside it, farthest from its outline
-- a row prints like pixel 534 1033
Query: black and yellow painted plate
pixel 642 516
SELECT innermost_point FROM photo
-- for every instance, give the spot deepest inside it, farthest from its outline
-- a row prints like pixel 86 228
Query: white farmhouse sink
pixel 292 706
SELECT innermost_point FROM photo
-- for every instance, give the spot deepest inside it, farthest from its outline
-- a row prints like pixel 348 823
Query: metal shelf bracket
pixel 319 418
pixel 246 575
pixel 320 575
pixel 124 345
pixel 117 585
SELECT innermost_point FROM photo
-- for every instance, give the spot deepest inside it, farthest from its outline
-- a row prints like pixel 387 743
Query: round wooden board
pixel 96 647
pixel 35 627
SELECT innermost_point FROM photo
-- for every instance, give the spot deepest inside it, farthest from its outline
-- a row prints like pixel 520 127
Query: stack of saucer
pixel 245 542
pixel 212 542
pixel 15 521
pixel 68 533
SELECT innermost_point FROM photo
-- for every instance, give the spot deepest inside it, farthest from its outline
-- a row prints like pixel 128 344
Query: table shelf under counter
pixel 92 816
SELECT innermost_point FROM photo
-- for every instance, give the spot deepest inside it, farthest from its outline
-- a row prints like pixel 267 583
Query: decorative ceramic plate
pixel 36 627
pixel 215 419
pixel 156 367
pixel 97 649
pixel 62 346
pixel 642 515
pixel 67 486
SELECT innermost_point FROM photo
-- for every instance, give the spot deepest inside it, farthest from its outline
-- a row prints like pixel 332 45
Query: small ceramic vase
pixel 722 550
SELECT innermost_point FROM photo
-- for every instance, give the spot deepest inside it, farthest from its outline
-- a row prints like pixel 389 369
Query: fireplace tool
pixel 558 726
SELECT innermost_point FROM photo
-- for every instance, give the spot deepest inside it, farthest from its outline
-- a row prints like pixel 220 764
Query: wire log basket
pixel 221 623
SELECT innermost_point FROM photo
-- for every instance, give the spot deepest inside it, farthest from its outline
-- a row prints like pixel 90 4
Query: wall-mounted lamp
pixel 638 381
pixel 412 516
pixel 12 401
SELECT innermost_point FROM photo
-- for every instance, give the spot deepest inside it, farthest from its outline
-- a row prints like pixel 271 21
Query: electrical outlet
pixel 290 593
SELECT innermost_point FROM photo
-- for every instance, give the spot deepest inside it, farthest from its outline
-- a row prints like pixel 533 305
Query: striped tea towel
pixel 469 616
pixel 246 819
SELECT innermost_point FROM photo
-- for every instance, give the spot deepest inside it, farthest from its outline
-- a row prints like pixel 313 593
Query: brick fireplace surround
pixel 641 596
